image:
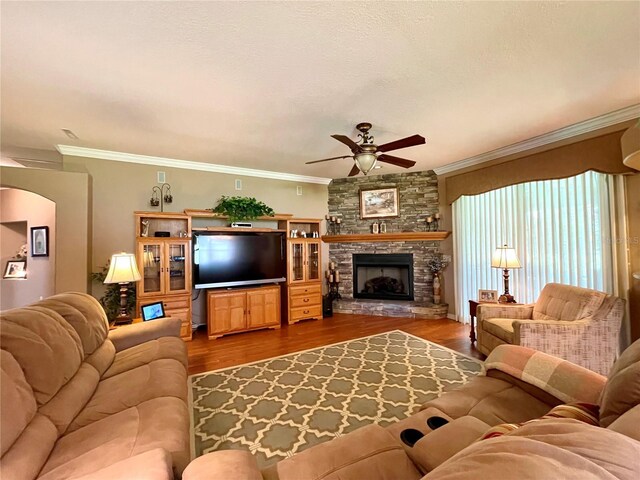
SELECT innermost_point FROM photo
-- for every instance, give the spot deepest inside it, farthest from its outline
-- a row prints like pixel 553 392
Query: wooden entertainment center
pixel 165 264
pixel 242 309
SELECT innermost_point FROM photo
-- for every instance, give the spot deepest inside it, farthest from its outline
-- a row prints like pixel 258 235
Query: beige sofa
pixel 577 324
pixel 79 401
pixel 520 385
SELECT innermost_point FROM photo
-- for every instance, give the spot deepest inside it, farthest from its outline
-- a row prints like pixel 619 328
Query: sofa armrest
pixel 137 333
pixel 548 335
pixel 503 310
pixel 441 444
pixel 564 380
pixel 231 464
pixel 151 465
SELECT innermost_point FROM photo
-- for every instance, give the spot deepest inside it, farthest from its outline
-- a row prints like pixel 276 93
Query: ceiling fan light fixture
pixel 365 161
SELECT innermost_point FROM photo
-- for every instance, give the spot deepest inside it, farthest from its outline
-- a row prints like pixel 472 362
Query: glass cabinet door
pixel 152 281
pixel 313 261
pixel 176 267
pixel 297 262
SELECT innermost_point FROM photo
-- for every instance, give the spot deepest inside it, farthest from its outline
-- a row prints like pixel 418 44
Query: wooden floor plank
pixel 231 350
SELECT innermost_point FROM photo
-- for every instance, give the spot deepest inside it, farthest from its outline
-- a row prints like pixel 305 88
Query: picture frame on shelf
pixel 15 269
pixel 379 203
pixel 488 296
pixel 40 241
pixel 151 311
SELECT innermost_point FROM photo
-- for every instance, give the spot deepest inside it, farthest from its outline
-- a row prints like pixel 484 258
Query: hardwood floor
pixel 227 351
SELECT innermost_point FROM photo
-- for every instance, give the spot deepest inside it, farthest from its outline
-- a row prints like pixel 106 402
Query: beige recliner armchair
pixel 573 323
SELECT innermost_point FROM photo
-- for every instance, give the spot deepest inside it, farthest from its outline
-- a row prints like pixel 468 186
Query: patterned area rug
pixel 280 406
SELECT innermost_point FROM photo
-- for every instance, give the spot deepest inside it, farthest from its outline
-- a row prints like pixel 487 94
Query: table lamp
pixel 505 258
pixel 123 270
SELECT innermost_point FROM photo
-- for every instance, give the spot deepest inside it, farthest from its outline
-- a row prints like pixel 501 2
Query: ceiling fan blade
pixel 348 142
pixel 327 159
pixel 400 162
pixel 403 143
pixel 354 171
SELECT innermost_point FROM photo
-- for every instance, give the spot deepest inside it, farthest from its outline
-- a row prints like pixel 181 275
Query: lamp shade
pixel 365 161
pixel 122 269
pixel 505 257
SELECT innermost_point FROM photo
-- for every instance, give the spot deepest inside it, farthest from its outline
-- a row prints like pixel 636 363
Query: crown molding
pixel 186 164
pixel 603 121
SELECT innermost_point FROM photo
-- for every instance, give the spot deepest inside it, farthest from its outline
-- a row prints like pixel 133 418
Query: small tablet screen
pixel 152 311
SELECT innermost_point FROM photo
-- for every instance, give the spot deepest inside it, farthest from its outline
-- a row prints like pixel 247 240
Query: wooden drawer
pixel 305 290
pixel 171 303
pixel 182 314
pixel 314 311
pixel 185 331
pixel 306 301
pixel 185 318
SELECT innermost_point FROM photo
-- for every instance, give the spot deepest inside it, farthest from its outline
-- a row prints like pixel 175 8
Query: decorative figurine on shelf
pixel 432 222
pixel 333 224
pixel 145 228
pixel 437 264
pixel 375 228
pixel 383 227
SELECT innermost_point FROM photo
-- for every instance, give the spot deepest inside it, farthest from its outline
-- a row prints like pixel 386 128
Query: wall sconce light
pixel 160 196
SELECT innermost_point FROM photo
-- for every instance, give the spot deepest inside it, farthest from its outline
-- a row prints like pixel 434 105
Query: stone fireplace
pixel 383 276
pixel 373 278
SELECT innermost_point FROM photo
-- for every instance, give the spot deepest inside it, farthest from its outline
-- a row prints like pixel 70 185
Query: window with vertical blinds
pixel 561 230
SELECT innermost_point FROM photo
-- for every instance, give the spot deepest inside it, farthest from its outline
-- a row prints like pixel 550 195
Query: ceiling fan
pixel 366 154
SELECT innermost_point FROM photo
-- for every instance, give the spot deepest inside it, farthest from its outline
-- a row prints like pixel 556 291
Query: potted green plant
pixel 242 208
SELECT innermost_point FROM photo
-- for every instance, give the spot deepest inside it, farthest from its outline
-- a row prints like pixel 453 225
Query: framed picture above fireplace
pixel 379 203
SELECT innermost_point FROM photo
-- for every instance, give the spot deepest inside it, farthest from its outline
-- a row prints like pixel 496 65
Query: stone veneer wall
pixel 417 195
pixel 342 254
pixel 418 198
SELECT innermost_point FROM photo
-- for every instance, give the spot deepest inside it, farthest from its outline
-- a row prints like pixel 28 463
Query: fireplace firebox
pixel 383 276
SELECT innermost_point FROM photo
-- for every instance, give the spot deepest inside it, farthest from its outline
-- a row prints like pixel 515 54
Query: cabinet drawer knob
pixel 306 300
pixel 306 311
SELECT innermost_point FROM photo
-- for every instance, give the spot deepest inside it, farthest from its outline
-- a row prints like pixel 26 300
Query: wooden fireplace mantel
pixel 387 237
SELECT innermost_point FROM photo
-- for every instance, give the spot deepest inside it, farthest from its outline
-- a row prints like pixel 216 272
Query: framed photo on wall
pixel 40 241
pixel 488 296
pixel 379 203
pixel 16 269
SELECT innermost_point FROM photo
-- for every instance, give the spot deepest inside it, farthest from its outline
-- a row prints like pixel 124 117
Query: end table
pixel 473 305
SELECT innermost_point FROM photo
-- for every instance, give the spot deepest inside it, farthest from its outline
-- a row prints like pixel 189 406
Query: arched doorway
pixel 23 218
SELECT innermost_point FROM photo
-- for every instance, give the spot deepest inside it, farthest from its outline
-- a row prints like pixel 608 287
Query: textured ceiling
pixel 264 84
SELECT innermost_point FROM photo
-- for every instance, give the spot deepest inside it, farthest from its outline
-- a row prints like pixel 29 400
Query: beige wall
pixel 71 193
pixel 120 188
pixel 600 153
pixel 30 210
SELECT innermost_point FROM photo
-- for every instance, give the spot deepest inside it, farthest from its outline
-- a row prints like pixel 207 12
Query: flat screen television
pixel 234 259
